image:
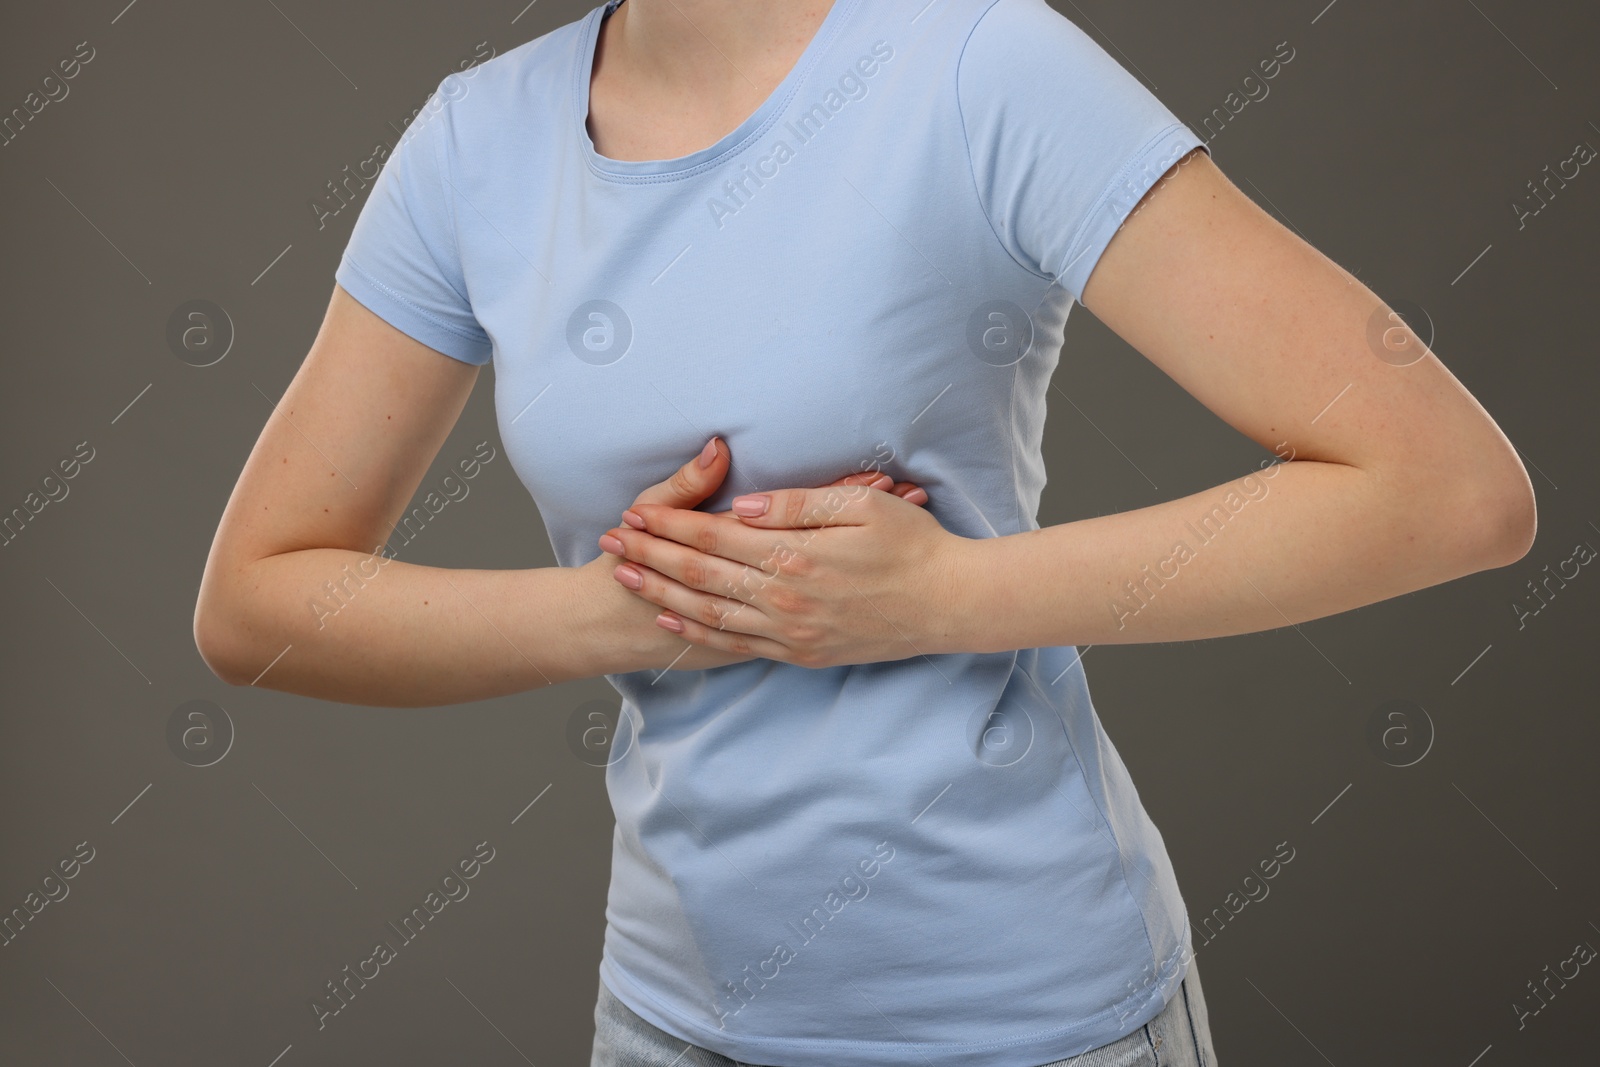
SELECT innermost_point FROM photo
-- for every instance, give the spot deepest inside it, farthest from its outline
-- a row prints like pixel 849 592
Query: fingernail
pixel 668 622
pixel 613 545
pixel 750 506
pixel 918 495
pixel 629 577
pixel 882 481
pixel 708 453
pixel 633 519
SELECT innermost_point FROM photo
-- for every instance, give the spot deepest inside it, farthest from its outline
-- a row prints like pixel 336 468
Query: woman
pixel 866 813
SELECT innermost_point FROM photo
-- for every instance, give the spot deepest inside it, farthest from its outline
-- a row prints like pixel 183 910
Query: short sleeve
pixel 402 261
pixel 1063 140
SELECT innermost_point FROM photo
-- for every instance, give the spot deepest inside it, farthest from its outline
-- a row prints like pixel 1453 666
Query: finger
pixel 708 609
pixel 858 478
pixel 908 491
pixel 726 640
pixel 692 482
pixel 724 536
pixel 810 508
pixel 698 564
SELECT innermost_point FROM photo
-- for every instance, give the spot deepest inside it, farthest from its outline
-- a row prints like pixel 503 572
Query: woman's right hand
pixel 684 488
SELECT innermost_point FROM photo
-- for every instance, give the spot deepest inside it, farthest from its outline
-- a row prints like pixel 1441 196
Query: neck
pixel 722 48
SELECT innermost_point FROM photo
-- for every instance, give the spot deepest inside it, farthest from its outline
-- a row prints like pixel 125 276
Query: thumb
pixel 692 482
pixel 834 505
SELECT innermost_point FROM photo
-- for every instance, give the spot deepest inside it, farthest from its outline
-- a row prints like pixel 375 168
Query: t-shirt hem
pixel 409 319
pixel 1041 1047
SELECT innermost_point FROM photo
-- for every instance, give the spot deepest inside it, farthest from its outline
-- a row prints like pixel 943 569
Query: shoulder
pixel 527 77
pixel 1010 43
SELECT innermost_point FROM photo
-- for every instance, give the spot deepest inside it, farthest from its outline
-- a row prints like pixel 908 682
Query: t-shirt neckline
pixel 735 141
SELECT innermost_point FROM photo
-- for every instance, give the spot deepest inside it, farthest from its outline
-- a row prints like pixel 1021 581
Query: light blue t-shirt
pixel 938 860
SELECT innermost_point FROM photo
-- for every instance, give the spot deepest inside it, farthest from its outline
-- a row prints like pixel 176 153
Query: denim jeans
pixel 1179 1036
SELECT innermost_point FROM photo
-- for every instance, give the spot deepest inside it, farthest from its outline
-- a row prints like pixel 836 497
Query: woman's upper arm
pixel 1295 353
pixel 344 448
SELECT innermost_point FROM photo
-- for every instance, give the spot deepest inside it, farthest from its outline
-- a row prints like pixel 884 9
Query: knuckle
pixel 772 564
pixel 801 633
pixel 794 506
pixel 710 614
pixel 680 484
pixel 788 601
pixel 809 658
pixel 695 574
pixel 705 539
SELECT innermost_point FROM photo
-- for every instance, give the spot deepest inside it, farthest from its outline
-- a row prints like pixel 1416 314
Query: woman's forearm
pixel 364 629
pixel 1301 540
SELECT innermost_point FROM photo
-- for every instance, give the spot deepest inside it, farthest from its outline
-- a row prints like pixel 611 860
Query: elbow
pixel 1519 524
pixel 212 640
pixel 1505 515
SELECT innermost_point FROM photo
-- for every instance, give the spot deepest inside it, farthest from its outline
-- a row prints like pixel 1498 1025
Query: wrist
pixel 956 609
pixel 603 634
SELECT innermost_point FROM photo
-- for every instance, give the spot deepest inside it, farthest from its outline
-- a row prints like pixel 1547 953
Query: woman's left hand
pixel 819 578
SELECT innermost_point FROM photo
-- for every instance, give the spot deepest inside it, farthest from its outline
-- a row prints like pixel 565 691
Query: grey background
pixel 1421 899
